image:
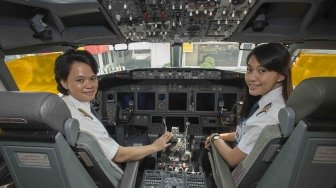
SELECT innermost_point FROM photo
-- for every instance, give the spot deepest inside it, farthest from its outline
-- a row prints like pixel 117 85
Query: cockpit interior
pixel 193 88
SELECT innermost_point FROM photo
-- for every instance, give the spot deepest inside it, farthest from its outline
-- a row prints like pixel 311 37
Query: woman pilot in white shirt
pixel 76 77
pixel 268 85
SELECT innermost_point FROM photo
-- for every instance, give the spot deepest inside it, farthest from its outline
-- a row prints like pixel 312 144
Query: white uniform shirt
pixel 91 125
pixel 248 131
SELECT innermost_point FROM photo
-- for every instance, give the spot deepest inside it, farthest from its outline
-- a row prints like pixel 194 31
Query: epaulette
pixel 265 109
pixel 84 113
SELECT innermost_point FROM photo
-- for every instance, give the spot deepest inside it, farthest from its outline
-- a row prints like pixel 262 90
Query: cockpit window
pixel 221 55
pixel 137 55
pixel 33 72
pixel 313 63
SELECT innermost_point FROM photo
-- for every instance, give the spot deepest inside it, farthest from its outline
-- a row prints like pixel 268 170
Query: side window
pixel 33 72
pixel 313 63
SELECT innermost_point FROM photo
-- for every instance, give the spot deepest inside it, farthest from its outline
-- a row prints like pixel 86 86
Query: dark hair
pixel 273 57
pixel 64 62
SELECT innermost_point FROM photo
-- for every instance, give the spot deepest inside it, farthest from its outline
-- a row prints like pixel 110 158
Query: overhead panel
pixel 177 21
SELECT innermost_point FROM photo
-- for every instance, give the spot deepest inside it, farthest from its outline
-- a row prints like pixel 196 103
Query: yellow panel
pixel 313 65
pixel 34 73
pixel 187 47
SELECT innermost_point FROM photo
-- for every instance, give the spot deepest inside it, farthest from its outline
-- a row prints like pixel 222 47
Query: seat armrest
pixel 130 175
pixel 71 128
pixel 213 169
pixel 222 169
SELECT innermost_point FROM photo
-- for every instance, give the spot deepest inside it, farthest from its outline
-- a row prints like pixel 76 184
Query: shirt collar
pixel 270 96
pixel 78 104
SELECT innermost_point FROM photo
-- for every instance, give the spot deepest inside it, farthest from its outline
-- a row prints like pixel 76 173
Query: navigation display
pixel 146 101
pixel 229 100
pixel 124 98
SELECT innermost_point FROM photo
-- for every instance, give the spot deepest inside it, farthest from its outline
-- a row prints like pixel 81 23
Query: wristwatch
pixel 215 137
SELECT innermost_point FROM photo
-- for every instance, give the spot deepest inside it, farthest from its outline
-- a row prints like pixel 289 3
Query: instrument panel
pixel 198 97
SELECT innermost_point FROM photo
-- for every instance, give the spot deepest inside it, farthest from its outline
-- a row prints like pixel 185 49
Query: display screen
pixel 205 101
pixel 229 100
pixel 178 101
pixel 125 99
pixel 146 101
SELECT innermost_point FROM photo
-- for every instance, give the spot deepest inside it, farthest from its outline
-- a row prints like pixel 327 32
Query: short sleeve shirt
pixel 248 131
pixel 89 123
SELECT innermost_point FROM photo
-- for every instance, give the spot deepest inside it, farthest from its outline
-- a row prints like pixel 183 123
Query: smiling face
pixel 82 82
pixel 260 80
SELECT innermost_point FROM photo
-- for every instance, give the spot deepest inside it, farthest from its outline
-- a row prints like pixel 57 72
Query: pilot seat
pixel 43 146
pixel 299 152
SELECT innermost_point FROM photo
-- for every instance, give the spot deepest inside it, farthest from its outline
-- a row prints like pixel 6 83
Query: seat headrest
pixel 314 98
pixel 36 110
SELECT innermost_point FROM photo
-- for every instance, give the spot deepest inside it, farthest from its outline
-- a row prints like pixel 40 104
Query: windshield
pixel 221 55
